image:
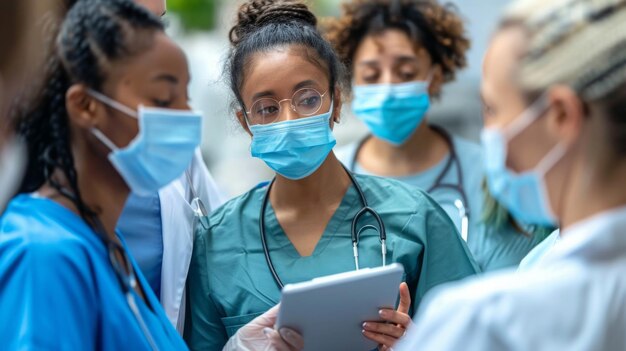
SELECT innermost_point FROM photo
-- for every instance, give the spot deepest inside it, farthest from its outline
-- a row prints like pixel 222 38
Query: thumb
pixel 405 299
pixel 268 319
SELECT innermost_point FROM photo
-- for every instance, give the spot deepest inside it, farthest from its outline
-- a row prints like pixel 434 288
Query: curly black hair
pixel 438 28
pixel 94 35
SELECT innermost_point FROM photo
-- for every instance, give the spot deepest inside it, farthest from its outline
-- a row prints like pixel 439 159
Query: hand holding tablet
pixel 330 312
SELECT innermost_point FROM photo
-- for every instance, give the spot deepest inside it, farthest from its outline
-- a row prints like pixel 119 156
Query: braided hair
pixel 263 25
pixel 94 35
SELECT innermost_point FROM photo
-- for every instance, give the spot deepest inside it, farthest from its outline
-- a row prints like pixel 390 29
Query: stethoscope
pixel 355 234
pixel 461 203
pixel 125 273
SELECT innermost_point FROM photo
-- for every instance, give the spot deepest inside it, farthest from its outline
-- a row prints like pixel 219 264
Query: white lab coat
pixel 178 220
pixel 575 299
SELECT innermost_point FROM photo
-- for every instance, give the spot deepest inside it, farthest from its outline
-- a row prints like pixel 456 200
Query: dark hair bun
pixel 255 14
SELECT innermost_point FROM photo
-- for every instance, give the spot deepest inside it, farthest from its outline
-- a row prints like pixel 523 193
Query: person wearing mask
pixel 287 83
pixel 400 54
pixel 158 226
pixel 68 281
pixel 554 89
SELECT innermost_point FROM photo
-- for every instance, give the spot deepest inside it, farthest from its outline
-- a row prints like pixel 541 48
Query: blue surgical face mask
pixel 523 194
pixel 392 112
pixel 162 150
pixel 295 148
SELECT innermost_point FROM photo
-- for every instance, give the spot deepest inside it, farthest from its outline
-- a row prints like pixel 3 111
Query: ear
pixel 242 120
pixel 436 80
pixel 82 109
pixel 337 104
pixel 566 115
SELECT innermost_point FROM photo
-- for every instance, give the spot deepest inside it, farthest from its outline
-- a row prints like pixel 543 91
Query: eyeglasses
pixel 304 102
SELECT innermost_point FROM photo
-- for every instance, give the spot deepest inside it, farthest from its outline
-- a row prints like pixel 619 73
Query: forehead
pixel 162 57
pixel 280 69
pixel 157 7
pixel 504 53
pixel 392 42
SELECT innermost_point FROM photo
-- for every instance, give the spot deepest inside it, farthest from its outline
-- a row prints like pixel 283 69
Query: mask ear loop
pixel 112 103
pixel 545 165
pixel 527 117
pixel 115 105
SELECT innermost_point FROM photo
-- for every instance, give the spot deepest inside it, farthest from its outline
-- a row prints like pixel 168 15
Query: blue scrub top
pixel 492 248
pixel 230 283
pixel 59 290
pixel 140 225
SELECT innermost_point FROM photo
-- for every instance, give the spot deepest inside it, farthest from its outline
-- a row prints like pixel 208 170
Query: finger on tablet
pixel 381 339
pixel 393 330
pixel 292 338
pixel 402 319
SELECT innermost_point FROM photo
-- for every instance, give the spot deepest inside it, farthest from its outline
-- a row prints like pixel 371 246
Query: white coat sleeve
pixel 460 316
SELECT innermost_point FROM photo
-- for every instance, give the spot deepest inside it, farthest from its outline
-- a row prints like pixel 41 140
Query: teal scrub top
pixel 58 290
pixel 492 249
pixel 230 284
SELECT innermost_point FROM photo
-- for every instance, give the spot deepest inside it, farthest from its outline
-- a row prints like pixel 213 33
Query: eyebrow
pixel 303 84
pixel 166 77
pixel 396 59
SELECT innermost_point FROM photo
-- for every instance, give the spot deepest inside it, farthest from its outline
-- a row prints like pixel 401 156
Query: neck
pixel 108 198
pixel 326 186
pixel 423 150
pixel 101 188
pixel 594 192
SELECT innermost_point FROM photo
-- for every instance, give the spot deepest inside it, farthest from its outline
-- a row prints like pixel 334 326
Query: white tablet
pixel 329 311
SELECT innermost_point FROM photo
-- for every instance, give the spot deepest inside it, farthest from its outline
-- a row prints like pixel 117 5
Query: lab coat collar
pixel 601 237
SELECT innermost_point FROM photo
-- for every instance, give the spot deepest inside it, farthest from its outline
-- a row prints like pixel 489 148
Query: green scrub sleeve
pixel 203 327
pixel 445 257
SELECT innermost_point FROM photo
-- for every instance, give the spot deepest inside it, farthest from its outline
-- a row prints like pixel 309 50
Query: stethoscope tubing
pixel 438 184
pixel 355 235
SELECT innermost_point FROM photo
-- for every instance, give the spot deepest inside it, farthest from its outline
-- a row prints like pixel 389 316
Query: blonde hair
pixel 579 43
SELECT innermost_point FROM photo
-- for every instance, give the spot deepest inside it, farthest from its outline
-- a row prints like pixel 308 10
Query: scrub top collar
pixel 343 212
pixel 600 237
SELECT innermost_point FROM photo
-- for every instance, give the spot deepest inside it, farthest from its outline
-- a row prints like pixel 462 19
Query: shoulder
pixel 470 153
pixel 346 153
pixel 465 146
pixel 501 297
pixel 386 191
pixel 238 208
pixel 41 233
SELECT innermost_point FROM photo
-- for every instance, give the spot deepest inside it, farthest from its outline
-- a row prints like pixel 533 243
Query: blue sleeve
pixel 47 296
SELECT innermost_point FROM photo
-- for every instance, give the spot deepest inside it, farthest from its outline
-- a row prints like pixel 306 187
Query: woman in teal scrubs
pixel 67 280
pixel 287 81
pixel 399 55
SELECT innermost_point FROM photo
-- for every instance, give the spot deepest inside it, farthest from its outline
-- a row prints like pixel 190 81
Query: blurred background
pixel 201 28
